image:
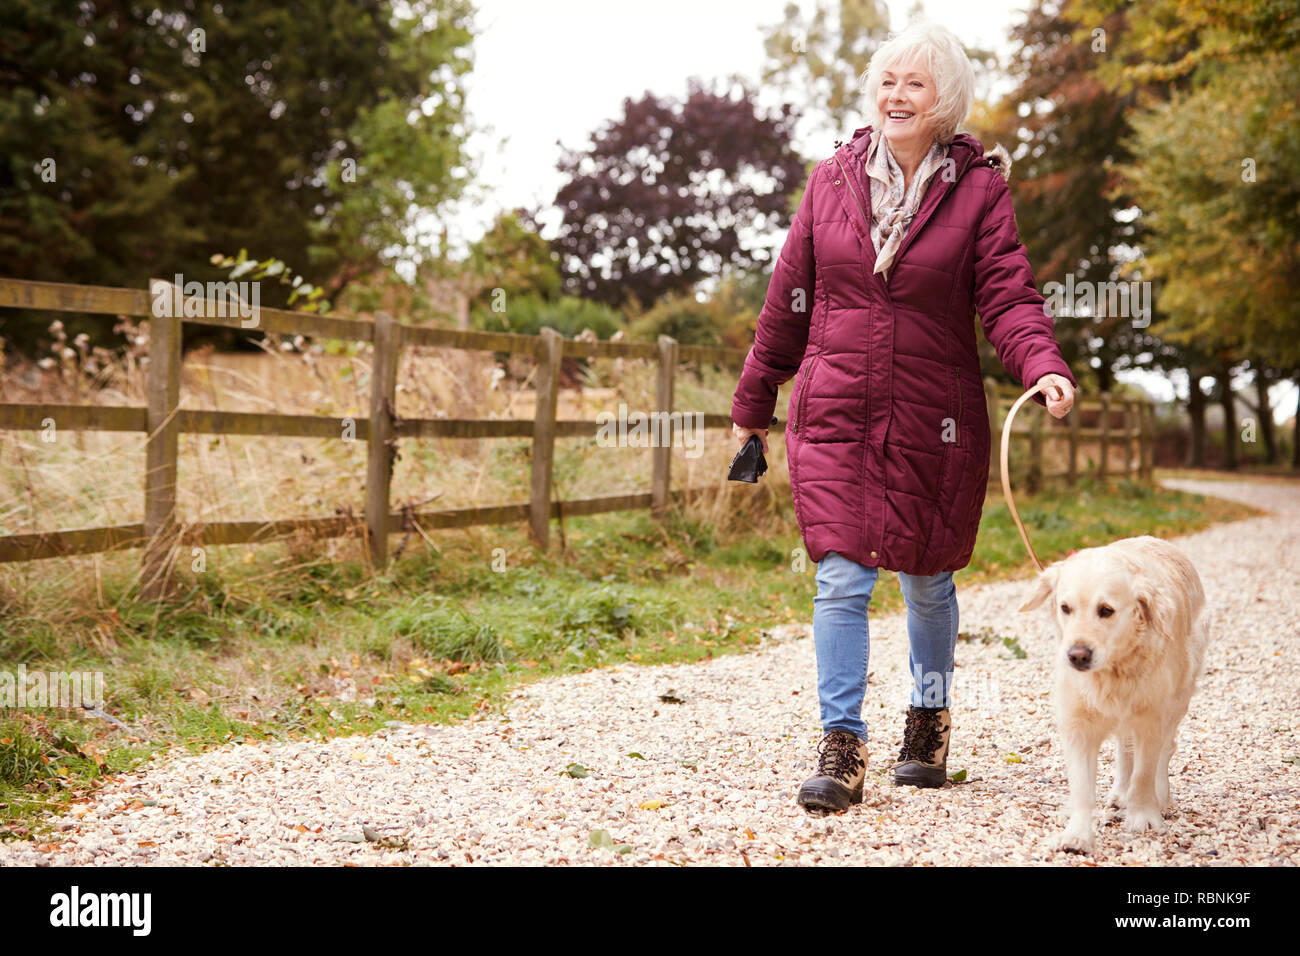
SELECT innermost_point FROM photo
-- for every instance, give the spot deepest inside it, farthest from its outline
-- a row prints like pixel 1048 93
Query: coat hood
pixel 965 149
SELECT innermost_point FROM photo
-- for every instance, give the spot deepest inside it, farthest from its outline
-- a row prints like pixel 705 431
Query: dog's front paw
pixel 1073 840
pixel 1141 819
pixel 1116 798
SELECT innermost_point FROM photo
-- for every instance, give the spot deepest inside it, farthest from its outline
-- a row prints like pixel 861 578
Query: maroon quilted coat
pixel 880 365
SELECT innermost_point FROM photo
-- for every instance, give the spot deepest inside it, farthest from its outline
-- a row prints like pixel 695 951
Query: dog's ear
pixel 1146 607
pixel 1155 611
pixel 1043 589
pixel 1159 610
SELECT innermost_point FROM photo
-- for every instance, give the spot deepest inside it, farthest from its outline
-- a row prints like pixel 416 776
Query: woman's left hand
pixel 1059 394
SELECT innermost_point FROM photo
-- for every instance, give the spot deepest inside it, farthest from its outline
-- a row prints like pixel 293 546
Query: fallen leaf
pixel 600 838
pixel 650 804
pixel 576 770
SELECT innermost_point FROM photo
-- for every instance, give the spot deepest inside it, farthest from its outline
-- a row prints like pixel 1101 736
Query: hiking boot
pixel 923 761
pixel 840 770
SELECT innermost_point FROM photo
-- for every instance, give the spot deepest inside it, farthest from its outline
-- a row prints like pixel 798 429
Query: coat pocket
pixel 972 462
pixel 801 400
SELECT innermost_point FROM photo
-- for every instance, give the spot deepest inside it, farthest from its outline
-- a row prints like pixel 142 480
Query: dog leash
pixel 1006 477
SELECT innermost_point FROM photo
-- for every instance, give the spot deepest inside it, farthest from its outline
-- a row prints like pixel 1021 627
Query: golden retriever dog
pixel 1130 652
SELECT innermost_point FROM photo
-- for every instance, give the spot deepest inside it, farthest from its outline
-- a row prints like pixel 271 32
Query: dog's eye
pixel 1065 609
pixel 1105 610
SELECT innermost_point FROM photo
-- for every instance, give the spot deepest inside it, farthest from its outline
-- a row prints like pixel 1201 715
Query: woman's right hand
pixel 743 435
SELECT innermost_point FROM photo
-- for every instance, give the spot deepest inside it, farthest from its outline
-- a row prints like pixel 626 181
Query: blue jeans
pixel 843 642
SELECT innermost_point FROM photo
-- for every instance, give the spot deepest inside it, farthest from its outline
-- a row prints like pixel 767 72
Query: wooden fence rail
pixel 163 532
pixel 1137 425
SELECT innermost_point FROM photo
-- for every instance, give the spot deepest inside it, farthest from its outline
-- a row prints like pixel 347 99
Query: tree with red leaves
pixel 664 194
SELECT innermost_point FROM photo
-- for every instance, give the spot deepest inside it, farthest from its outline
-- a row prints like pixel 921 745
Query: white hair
pixel 944 57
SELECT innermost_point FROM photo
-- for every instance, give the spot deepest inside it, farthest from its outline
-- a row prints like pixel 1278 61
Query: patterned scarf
pixel 891 210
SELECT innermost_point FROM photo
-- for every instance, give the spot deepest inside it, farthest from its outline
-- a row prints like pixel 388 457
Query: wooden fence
pixel 163 420
pixel 1136 424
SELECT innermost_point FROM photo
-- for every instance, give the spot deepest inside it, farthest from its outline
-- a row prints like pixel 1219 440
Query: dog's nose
pixel 1080 657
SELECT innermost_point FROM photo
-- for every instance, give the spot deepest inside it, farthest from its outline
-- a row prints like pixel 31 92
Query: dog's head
pixel 1102 605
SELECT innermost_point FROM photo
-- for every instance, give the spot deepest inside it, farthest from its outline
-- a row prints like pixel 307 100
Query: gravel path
pixel 715 776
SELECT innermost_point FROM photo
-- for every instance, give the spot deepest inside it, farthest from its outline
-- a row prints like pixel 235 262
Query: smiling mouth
pixel 899 116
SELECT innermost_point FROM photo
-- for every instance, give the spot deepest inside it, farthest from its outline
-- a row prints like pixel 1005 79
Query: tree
pixel 663 195
pixel 1075 211
pixel 816 62
pixel 513 257
pixel 313 133
pixel 1224 199
pixel 1171 39
pixel 1090 72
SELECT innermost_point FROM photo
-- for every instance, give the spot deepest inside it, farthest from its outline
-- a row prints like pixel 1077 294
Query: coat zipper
pixel 803 393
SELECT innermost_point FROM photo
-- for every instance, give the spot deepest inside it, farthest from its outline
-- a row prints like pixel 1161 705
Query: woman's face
pixel 906 88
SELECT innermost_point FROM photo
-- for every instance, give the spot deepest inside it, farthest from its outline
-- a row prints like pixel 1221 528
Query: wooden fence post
pixel 1146 440
pixel 1035 480
pixel 381 451
pixel 547 386
pixel 163 384
pixel 1072 478
pixel 995 431
pixel 1128 439
pixel 663 448
pixel 1105 435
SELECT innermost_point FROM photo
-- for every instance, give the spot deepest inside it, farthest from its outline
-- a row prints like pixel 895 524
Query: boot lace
pixel 922 736
pixel 839 756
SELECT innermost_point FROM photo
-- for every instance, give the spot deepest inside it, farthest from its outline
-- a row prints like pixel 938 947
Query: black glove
pixel 749 462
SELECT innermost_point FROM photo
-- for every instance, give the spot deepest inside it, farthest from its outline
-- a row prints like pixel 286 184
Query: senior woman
pixel 901 237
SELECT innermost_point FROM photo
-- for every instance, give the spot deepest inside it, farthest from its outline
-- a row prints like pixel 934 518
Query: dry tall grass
pixel 96 478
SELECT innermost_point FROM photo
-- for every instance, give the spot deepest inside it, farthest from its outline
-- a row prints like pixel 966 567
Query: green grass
pixel 1089 515
pixel 281 643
